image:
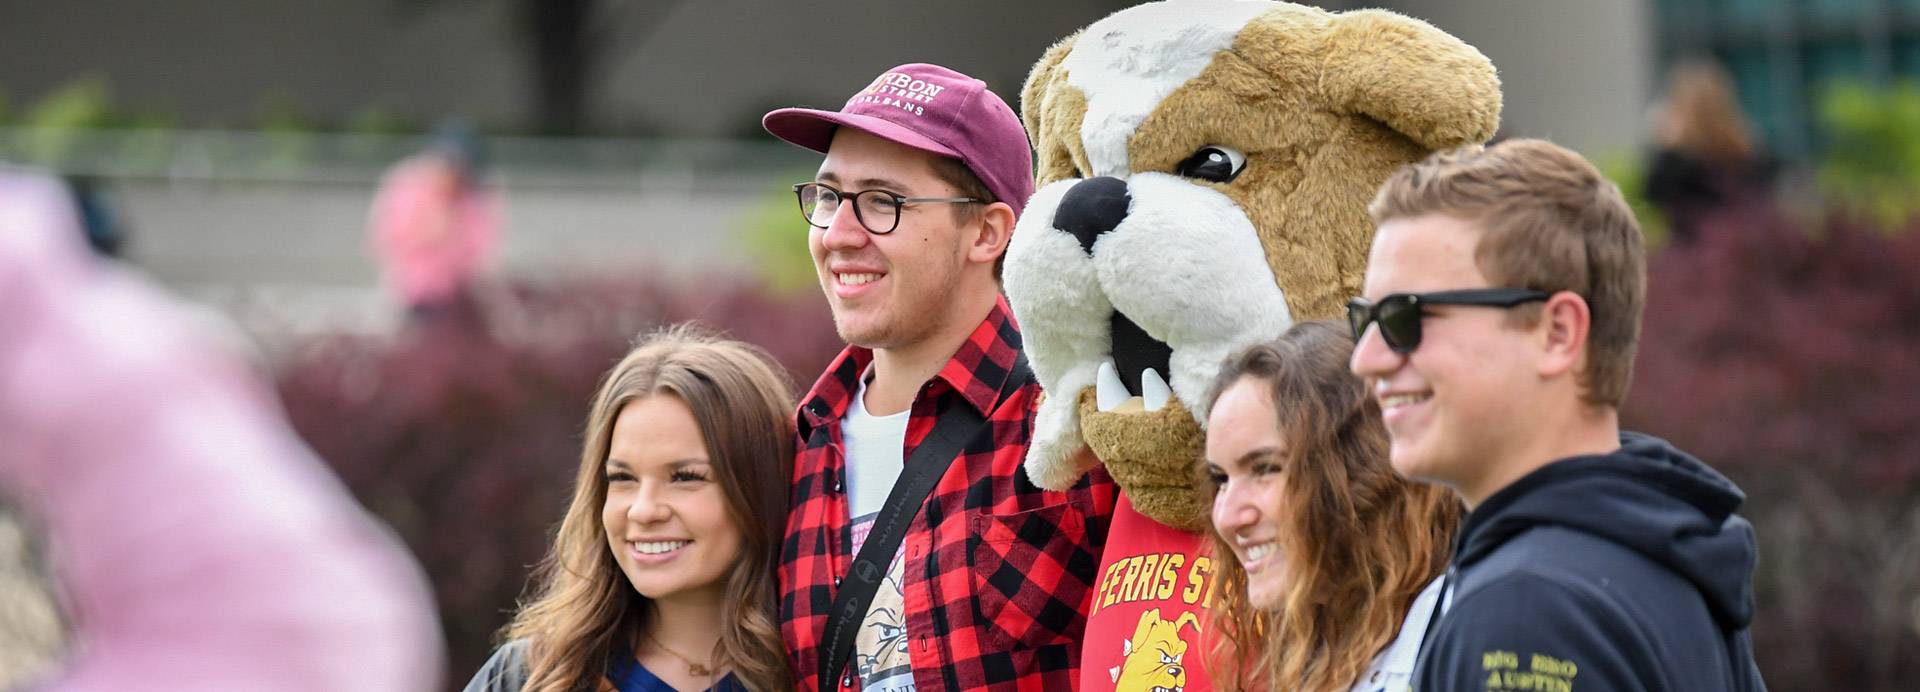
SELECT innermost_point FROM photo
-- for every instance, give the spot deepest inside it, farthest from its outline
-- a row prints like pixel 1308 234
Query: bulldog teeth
pixel 1154 390
pixel 1109 392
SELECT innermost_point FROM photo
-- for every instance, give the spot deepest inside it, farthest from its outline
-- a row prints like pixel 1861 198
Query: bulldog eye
pixel 1213 163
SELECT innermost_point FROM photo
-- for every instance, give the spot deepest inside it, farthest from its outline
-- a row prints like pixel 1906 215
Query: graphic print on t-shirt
pixel 876 454
pixel 880 649
pixel 1146 629
pixel 1155 658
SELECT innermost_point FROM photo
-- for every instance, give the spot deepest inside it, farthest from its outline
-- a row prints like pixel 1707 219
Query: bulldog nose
pixel 1092 207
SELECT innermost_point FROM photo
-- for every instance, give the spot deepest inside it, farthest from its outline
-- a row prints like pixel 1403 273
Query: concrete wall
pixel 701 68
pixel 293 256
pixel 1577 72
pixel 1574 71
pixel 217 62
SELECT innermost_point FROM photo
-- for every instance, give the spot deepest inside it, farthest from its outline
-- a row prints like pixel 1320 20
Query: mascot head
pixel 1203 169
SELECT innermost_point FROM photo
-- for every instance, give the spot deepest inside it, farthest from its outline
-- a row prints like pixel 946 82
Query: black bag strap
pixel 929 461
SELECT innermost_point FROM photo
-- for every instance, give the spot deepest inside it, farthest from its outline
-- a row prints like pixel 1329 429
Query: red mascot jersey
pixel 1154 586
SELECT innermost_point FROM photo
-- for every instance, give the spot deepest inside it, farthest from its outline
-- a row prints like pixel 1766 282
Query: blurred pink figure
pixel 434 229
pixel 196 543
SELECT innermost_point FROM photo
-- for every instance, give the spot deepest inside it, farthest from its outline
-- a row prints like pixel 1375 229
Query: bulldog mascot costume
pixel 1203 169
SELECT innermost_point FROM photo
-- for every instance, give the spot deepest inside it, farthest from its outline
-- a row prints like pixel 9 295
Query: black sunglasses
pixel 1399 314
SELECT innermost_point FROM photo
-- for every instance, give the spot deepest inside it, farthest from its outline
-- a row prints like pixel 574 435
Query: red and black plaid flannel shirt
pixel 998 573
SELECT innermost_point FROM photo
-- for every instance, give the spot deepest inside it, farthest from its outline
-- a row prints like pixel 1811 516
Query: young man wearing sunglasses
pixel 918 555
pixel 1497 330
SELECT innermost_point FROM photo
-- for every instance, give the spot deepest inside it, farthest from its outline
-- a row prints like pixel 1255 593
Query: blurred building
pixel 668 165
pixel 1782 52
pixel 1575 71
pixel 700 68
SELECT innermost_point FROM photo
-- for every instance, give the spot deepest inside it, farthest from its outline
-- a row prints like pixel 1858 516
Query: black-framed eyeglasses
pixel 1399 314
pixel 877 210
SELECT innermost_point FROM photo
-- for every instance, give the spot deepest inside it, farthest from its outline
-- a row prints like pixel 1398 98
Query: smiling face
pixel 665 515
pixel 889 291
pixel 1245 453
pixel 1453 406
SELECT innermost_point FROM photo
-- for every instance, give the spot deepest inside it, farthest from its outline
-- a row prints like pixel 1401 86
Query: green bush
pixel 1871 154
pixel 375 120
pixel 1628 170
pixel 776 239
pixel 58 119
pixel 1780 350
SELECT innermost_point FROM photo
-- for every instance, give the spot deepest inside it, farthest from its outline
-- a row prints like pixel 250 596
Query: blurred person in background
pixel 191 540
pixel 435 225
pixel 662 574
pixel 100 221
pixel 1329 562
pixel 1705 156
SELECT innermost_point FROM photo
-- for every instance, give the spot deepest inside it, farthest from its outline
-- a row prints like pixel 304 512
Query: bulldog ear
pixel 1051 115
pixel 1418 80
pixel 1033 93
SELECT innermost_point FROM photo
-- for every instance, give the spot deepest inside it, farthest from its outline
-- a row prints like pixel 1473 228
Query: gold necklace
pixel 694 669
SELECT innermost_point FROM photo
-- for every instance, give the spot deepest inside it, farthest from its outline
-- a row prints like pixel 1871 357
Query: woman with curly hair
pixel 1329 561
pixel 661 576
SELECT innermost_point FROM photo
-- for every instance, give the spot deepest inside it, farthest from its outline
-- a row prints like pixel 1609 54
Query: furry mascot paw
pixel 1204 168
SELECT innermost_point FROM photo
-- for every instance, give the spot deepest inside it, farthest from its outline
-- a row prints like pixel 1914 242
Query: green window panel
pixel 1833 61
pixel 1906 57
pixel 1753 76
pixel 1687 17
pixel 1749 14
pixel 1836 10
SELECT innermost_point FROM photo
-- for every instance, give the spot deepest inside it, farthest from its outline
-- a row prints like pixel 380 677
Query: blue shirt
pixel 627 675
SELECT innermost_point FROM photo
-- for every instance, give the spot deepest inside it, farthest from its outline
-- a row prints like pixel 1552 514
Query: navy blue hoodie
pixel 1623 571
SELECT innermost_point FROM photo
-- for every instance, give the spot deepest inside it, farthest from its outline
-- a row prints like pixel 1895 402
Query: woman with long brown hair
pixel 662 574
pixel 1706 157
pixel 1328 561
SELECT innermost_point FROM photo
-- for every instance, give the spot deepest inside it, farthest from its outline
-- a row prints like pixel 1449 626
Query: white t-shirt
pixel 876 453
pixel 1392 670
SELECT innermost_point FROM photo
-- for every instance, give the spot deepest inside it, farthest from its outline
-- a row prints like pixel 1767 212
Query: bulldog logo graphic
pixel 1154 656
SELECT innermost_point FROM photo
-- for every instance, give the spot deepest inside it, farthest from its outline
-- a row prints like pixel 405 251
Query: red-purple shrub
pixel 1787 354
pixel 463 430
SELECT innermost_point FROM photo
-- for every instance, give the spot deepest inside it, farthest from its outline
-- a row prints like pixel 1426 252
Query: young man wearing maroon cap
pixel 918 554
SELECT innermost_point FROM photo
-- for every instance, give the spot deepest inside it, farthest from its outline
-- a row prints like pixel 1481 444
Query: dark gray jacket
pixel 506 671
pixel 1624 571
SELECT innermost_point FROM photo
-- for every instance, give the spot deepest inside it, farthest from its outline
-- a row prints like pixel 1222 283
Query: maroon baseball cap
pixel 930 108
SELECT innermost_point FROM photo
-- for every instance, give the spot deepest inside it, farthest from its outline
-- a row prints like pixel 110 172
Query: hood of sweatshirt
pixel 1647 496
